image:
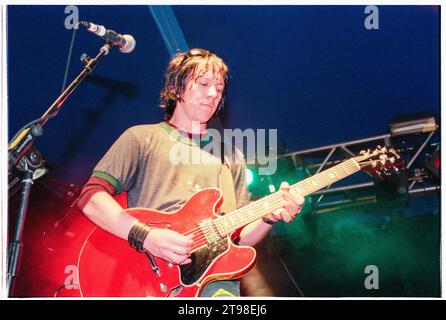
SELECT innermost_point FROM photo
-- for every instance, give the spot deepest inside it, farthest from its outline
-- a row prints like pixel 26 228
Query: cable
pixel 30 124
pixel 70 50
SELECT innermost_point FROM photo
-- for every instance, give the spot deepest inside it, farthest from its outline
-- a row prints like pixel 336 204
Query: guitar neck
pixel 257 209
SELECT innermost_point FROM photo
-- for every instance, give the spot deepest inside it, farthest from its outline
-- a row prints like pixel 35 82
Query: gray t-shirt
pixel 161 168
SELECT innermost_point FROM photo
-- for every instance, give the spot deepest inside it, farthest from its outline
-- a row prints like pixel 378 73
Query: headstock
pixel 382 160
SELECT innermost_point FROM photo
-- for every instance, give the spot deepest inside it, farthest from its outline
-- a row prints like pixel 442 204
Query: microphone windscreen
pixel 130 44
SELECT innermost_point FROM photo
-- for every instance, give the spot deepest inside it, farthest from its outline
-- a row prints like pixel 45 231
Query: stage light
pixel 249 176
pixel 40 172
pixel 413 126
pixel 433 163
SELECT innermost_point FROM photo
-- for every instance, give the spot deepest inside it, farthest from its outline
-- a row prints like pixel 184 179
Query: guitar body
pixel 109 267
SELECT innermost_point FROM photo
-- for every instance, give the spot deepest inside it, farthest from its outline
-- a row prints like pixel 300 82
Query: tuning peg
pixel 394 152
pixel 383 159
pixel 392 159
pixel 381 150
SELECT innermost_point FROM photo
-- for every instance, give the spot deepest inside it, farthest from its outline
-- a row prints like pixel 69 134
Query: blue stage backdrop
pixel 315 73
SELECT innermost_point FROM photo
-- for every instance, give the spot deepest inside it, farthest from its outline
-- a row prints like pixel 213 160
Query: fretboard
pixel 257 209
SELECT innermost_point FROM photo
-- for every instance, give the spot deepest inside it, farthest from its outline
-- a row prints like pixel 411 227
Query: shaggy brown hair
pixel 185 66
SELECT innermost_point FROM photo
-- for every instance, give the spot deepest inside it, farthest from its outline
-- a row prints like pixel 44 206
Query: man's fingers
pixel 180 240
pixel 293 202
pixel 181 249
pixel 286 216
pixel 282 214
pixel 277 214
pixel 285 186
pixel 293 195
pixel 188 260
pixel 297 197
pixel 292 205
pixel 177 258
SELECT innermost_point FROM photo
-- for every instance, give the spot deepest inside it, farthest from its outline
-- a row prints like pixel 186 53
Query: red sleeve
pixel 93 185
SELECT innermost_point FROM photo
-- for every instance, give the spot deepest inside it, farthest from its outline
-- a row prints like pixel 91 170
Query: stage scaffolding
pixel 418 144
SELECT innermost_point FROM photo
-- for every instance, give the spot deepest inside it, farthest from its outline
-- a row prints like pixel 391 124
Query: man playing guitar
pixel 140 163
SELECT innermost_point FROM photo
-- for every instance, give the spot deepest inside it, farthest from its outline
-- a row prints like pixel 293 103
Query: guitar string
pixel 200 239
pixel 340 172
pixel 305 186
pixel 341 169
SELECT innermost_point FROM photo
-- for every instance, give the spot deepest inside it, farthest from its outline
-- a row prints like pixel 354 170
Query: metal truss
pixel 416 151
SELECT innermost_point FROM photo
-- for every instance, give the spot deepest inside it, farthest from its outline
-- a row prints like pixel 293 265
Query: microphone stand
pixel 17 149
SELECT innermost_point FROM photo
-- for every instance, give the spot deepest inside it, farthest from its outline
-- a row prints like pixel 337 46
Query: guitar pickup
pixel 210 231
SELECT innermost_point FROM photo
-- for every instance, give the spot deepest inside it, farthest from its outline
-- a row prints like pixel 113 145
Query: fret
pixel 255 210
pixel 331 175
pixel 297 188
pixel 220 227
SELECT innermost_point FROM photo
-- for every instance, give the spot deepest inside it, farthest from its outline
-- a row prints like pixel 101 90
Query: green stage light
pixel 249 176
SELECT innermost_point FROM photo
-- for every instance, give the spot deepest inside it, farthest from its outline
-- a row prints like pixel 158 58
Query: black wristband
pixel 138 233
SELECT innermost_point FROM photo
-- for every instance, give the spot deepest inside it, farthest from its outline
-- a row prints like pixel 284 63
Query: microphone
pixel 126 42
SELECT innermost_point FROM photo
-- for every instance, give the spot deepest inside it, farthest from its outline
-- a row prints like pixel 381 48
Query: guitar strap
pixel 226 185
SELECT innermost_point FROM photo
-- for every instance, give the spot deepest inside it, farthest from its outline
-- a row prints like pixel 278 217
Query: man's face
pixel 201 96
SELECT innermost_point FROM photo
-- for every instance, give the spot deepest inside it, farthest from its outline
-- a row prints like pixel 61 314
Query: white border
pixel 4 109
pixel 443 176
pixel 222 2
pixel 3 155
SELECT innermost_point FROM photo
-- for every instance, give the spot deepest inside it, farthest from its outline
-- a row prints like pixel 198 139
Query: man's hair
pixel 186 66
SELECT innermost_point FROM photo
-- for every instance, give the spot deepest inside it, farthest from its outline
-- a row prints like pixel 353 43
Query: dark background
pixel 315 73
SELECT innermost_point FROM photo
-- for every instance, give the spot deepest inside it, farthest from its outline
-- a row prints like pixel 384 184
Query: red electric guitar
pixel 109 267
